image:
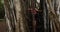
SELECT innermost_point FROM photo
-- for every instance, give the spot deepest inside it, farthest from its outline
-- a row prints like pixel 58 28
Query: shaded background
pixel 3 25
pixel 1 9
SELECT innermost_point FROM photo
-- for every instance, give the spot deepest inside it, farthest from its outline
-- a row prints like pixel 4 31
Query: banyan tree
pixel 32 15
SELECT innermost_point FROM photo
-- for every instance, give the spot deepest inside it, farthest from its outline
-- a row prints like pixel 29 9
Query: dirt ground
pixel 3 26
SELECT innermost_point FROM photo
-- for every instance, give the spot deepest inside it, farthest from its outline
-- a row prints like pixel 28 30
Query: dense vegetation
pixel 1 10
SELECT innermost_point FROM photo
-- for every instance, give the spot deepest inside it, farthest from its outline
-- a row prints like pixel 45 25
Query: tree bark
pixel 14 15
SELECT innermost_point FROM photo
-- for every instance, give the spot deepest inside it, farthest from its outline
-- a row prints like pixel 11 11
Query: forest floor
pixel 3 26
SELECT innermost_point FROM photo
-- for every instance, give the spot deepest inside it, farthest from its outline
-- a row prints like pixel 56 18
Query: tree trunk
pixel 14 15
